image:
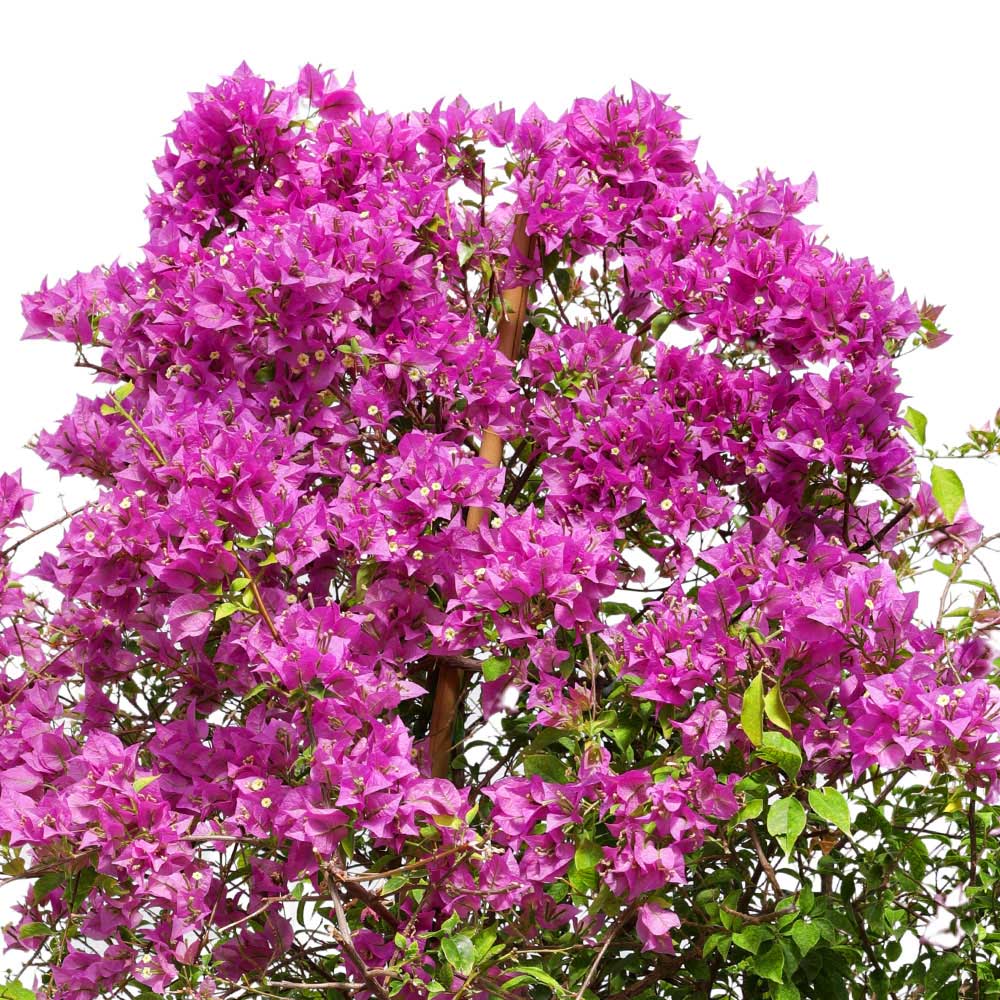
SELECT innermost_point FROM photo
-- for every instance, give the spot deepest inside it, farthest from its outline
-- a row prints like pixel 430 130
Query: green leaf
pixel 752 712
pixel 34 930
pixel 752 937
pixel 786 820
pixel 465 253
pixel 782 751
pixel 805 936
pixel 588 855
pixel 460 952
pixel 523 973
pixel 752 809
pixel 46 883
pixel 774 707
pixel 124 391
pixel 660 322
pixel 831 806
pixel 147 779
pixel 15 991
pixel 583 882
pixel 918 425
pixel 545 765
pixel 785 991
pixel 485 939
pixel 225 610
pixel 107 409
pixel 771 964
pixel 948 490
pixel 495 667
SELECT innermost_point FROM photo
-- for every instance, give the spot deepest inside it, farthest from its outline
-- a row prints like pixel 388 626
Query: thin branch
pixel 14 546
pixel 259 600
pixel 346 938
pixel 616 929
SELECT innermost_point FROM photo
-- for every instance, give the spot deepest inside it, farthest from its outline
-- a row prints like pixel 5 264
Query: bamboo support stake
pixel 449 677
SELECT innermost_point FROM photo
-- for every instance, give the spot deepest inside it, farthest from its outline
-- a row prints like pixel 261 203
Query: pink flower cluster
pixel 235 641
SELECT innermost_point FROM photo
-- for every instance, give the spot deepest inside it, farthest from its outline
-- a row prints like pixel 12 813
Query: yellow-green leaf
pixel 775 709
pixel 948 491
pixel 752 712
pixel 918 425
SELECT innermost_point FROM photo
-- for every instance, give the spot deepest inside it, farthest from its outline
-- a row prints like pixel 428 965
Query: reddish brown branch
pixel 448 690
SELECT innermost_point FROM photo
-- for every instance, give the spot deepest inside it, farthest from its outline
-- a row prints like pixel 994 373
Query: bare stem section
pixel 449 679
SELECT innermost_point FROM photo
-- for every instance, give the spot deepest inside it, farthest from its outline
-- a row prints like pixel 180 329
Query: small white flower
pixel 864 315
pixel 839 605
pixel 666 504
pixel 759 300
pixel 125 503
pixel 355 468
pixel 496 522
pixel 435 486
pixel 959 692
pixel 781 434
pixel 257 784
pixel 943 700
pixel 418 554
pixel 450 634
pixel 303 360
pixel 425 491
pixel 266 802
pixel 819 444
pixel 89 537
pixel 373 410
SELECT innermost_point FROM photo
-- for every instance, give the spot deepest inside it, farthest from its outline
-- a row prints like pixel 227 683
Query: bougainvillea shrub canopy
pixel 706 740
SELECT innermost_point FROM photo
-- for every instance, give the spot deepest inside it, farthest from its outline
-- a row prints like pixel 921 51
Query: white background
pixel 892 104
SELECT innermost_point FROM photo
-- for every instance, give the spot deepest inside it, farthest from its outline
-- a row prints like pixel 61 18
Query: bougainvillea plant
pixel 500 582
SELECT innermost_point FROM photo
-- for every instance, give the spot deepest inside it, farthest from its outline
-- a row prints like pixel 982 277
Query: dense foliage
pixel 705 747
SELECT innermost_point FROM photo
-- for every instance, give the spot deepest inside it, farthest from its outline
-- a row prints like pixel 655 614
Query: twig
pixel 759 918
pixel 258 600
pixel 885 529
pixel 363 895
pixel 343 934
pixel 14 546
pixel 616 929
pixel 762 858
